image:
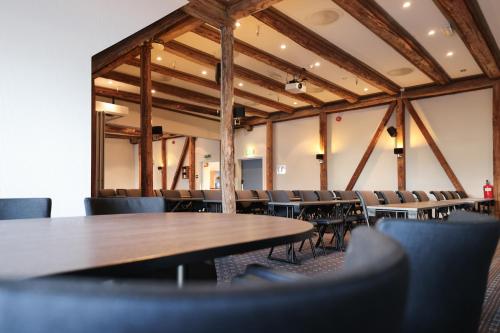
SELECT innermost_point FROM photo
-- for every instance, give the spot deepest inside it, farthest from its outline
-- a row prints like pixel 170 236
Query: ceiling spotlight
pixel 317 64
pixel 240 84
pixel 204 72
pixel 431 32
pixel 407 4
pixel 366 89
pixel 158 58
pixel 283 46
pixel 449 54
pixel 237 24
pixel 153 91
pixel 110 82
pixel 295 103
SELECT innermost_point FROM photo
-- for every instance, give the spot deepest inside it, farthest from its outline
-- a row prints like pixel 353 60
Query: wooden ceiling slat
pixel 325 49
pixel 203 58
pixel 375 18
pixel 467 19
pixel 271 60
pixel 210 11
pixel 169 72
pixel 245 8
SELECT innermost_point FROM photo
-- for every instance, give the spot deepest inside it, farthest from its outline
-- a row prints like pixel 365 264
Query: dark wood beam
pixel 120 49
pixel 164 162
pixel 467 19
pixel 178 170
pixel 325 49
pixel 118 62
pixel 323 144
pixel 227 121
pixel 269 156
pixel 371 147
pixel 244 74
pixel 146 160
pixel 170 72
pixel 271 60
pixel 401 143
pixel 245 8
pixel 120 130
pixel 496 146
pixel 434 147
pixel 210 11
pixel 375 18
pixel 192 163
pixel 185 25
pixel 455 87
pixel 94 188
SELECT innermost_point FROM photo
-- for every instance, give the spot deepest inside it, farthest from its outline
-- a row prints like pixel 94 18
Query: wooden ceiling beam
pixel 375 18
pixel 117 62
pixel 186 25
pixel 170 72
pixel 245 8
pixel 203 58
pixel 271 60
pixel 455 87
pixel 325 49
pixel 210 11
pixel 467 19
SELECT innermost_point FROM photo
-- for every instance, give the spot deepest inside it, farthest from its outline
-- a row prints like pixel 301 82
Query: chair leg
pixel 313 250
pixel 270 252
pixel 301 245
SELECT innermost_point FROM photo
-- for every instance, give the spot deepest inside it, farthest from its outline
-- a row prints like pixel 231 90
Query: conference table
pixel 179 202
pixel 34 248
pixel 415 210
pixel 217 203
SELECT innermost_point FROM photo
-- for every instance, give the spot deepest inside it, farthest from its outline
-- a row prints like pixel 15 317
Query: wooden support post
pixel 269 156
pixel 164 162
pixel 146 145
pixel 371 147
pixel 496 146
pixel 323 144
pixel 226 123
pixel 93 148
pixel 400 143
pixel 192 163
pixel 178 170
pixel 434 147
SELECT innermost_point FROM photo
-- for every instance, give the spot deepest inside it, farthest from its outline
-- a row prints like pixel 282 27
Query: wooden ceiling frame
pixel 325 49
pixel 378 21
pixel 468 20
pixel 278 63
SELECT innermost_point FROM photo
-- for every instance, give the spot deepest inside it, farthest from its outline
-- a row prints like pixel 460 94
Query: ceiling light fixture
pixel 153 91
pixel 449 54
pixel 110 82
pixel 366 89
pixel 295 103
pixel 237 24
pixel 431 32
pixel 240 84
pixel 283 46
pixel 204 72
pixel 158 58
pixel 407 4
pixel 317 64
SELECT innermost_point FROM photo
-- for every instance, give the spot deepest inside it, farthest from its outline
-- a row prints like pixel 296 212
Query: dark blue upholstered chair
pixel 129 205
pixel 449 265
pixel 367 295
pixel 25 208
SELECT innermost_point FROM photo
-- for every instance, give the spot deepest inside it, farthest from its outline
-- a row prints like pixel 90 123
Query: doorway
pixel 251 174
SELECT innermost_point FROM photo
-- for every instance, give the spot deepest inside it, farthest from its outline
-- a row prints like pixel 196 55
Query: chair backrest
pixel 455 195
pixel 185 193
pixel 366 295
pixel 279 196
pixel 462 194
pixel 292 195
pixel 390 197
pixel 346 195
pixel 133 193
pixel 171 194
pixel 447 195
pixel 25 208
pixel 105 206
pixel 107 192
pixel 421 196
pixel 158 193
pixel 438 195
pixel 308 196
pixel 367 198
pixel 246 194
pixel 212 194
pixel 261 194
pixel 325 195
pixel 121 192
pixel 449 265
pixel 198 194
pixel 406 196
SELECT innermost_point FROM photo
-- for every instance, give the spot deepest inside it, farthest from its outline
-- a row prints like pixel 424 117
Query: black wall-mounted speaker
pixel 218 70
pixel 157 130
pixel 239 112
pixel 392 131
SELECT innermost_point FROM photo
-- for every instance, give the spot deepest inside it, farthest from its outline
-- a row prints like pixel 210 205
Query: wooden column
pixel 496 146
pixel 164 162
pixel 323 143
pixel 146 144
pixel 400 143
pixel 269 156
pixel 93 146
pixel 226 121
pixel 192 163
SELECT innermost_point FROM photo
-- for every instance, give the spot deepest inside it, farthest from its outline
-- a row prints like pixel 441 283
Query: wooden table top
pixel 237 200
pixel 39 247
pixel 423 205
pixel 184 199
pixel 313 203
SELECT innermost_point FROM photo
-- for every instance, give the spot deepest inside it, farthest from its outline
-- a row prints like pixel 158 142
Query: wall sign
pixel 281 169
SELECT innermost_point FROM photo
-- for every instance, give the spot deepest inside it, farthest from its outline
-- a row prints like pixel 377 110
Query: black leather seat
pixel 449 265
pixel 25 208
pixel 104 206
pixel 366 295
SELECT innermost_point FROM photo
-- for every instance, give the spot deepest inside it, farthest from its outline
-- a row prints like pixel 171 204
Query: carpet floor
pixel 228 267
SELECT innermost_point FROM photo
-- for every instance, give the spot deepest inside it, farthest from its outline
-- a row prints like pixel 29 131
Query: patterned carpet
pixel 228 267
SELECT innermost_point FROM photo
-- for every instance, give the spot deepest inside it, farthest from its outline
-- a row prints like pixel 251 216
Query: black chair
pixel 308 196
pixel 438 195
pixel 105 206
pixel 25 208
pixel 449 265
pixel 325 195
pixel 212 195
pixel 107 192
pixel 462 194
pixel 260 194
pixel 406 196
pixel 368 198
pixel 390 197
pixel 447 195
pixel 244 207
pixel 421 196
pixel 133 193
pixel 171 194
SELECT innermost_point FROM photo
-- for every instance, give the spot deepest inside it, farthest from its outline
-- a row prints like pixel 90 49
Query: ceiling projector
pixel 295 87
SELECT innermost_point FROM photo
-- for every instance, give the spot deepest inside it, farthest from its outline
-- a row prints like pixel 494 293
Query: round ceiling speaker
pixel 323 17
pixel 400 71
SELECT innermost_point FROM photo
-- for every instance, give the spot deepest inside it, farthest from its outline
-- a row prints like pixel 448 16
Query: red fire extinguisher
pixel 488 190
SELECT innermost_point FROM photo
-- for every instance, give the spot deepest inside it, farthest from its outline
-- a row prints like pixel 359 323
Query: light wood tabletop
pixel 40 247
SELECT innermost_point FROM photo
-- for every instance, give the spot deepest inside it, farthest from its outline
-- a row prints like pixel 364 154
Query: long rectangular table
pixel 179 201
pixel 218 203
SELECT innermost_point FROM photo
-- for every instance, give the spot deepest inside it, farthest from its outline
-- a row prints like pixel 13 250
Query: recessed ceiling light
pixel 158 58
pixel 237 24
pixel 431 32
pixel 295 103
pixel 283 46
pixel 366 89
pixel 110 82
pixel 449 54
pixel 323 17
pixel 240 84
pixel 153 91
pixel 204 72
pixel 407 4
pixel 317 64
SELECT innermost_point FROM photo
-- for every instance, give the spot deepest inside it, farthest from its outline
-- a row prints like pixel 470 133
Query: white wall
pixel 249 145
pixel 460 124
pixel 46 54
pixel 119 162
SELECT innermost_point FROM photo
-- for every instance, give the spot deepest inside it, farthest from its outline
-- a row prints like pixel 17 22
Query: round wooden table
pixel 33 248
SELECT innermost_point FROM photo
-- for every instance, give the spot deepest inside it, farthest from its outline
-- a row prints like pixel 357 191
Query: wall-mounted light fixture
pixel 393 132
pixel 320 157
pixel 399 151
